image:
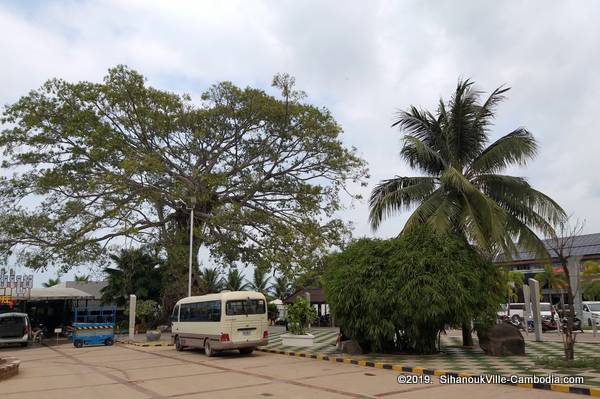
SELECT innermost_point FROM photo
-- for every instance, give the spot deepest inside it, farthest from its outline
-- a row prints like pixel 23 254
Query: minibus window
pixel 201 311
pixel 245 306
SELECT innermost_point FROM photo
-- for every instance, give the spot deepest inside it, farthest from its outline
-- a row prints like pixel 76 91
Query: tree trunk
pixel 466 335
pixel 569 335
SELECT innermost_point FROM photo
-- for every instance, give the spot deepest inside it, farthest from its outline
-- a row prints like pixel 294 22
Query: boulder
pixel 351 347
pixel 153 335
pixel 503 339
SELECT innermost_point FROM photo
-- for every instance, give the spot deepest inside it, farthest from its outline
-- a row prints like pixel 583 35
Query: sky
pixel 362 60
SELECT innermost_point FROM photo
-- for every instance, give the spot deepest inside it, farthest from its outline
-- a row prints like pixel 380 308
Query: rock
pixel 503 339
pixel 153 335
pixel 351 347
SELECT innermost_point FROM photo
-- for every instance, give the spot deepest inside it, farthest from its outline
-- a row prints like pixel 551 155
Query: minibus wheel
pixel 207 349
pixel 178 346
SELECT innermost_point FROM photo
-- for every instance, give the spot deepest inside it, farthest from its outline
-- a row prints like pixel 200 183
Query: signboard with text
pixel 14 286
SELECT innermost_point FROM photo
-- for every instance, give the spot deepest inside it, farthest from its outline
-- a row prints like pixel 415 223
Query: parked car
pixel 15 328
pixel 591 313
pixel 517 310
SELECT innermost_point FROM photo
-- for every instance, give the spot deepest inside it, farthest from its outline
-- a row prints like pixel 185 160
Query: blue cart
pixel 93 326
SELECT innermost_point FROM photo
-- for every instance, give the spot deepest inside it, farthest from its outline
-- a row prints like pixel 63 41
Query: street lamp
pixel 191 246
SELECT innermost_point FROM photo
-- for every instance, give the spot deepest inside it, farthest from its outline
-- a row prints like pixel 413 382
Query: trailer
pixel 93 326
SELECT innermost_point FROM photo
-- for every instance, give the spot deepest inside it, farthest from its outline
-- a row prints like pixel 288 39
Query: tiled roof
pixel 586 244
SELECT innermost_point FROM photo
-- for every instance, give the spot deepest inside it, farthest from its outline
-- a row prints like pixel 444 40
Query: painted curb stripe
pixel 580 390
pixel 145 345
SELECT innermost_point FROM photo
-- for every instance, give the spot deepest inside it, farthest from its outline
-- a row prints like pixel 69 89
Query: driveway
pixel 134 372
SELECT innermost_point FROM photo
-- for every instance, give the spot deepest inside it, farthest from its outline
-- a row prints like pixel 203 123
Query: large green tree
pixel 462 187
pixel 95 162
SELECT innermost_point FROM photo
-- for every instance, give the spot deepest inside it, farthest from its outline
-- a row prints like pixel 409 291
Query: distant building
pixel 585 247
pixel 53 306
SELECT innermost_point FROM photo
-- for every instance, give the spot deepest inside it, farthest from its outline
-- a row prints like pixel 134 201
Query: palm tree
pixel 137 272
pixel 260 281
pixel 281 288
pixel 235 281
pixel 51 282
pixel 551 279
pixel 82 279
pixel 210 281
pixel 591 280
pixel 462 189
pixel 514 282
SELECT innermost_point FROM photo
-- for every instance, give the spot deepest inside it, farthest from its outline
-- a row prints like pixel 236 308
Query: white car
pixel 591 313
pixel 517 310
pixel 15 328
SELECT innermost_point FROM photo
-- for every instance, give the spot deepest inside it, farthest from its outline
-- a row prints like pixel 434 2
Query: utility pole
pixel 191 246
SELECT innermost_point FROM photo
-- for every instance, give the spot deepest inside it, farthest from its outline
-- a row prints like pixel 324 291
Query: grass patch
pixel 555 362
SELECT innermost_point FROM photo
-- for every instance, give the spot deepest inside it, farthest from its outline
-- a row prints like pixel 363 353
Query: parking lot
pixel 135 372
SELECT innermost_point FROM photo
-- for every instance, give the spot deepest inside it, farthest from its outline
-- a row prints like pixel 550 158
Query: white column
pixel 534 293
pixel 132 303
pixel 527 310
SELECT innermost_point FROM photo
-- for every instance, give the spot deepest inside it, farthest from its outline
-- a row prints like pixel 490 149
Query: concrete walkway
pixel 124 371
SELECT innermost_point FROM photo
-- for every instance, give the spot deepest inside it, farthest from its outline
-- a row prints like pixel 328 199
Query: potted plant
pixel 299 315
pixel 147 313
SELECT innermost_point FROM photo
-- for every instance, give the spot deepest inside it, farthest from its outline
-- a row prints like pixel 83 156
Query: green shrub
pixel 147 314
pixel 299 315
pixel 559 362
pixel 400 294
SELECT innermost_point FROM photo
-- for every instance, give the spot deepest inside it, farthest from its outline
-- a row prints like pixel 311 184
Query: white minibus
pixel 216 322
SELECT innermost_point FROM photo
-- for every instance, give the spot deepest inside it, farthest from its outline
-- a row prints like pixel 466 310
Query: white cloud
pixel 361 60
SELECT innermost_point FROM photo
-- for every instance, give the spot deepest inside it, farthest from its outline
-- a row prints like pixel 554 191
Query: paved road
pixel 63 372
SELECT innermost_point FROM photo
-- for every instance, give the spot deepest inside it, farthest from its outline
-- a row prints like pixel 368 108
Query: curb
pixel 575 389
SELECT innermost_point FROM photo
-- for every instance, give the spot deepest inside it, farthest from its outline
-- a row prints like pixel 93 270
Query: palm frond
pixel 393 195
pixel 530 206
pixel 463 140
pixel 482 214
pixel 516 147
pixel 424 211
pixel 485 112
pixel 421 156
pixel 422 125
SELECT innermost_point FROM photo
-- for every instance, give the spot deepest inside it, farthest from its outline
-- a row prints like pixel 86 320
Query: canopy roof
pixel 316 295
pixel 51 293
